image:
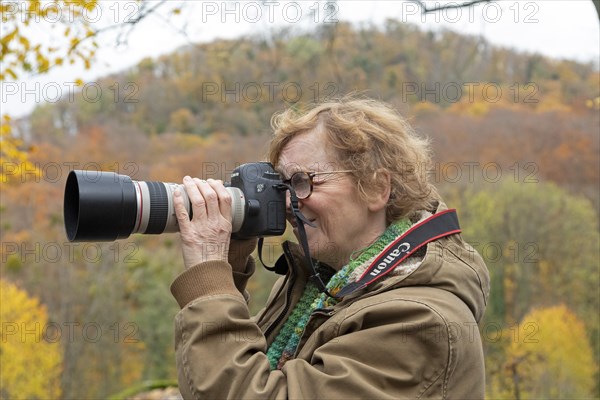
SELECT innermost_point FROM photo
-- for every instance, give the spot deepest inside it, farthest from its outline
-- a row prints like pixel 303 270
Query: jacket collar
pixel 449 264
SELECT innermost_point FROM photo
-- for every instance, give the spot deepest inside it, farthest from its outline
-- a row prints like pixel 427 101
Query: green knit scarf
pixel 287 340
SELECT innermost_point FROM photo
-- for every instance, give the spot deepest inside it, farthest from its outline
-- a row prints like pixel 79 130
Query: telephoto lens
pixel 105 206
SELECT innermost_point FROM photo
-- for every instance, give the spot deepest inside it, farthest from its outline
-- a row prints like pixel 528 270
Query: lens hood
pixel 99 206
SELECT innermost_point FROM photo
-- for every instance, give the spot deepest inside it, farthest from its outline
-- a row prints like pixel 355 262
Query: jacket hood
pixel 449 264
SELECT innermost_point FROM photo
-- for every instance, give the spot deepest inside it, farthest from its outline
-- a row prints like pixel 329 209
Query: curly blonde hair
pixel 369 137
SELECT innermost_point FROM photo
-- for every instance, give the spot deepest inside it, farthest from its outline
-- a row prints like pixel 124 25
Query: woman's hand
pixel 206 237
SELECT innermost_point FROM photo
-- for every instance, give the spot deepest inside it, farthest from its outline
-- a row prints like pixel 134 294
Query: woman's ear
pixel 381 190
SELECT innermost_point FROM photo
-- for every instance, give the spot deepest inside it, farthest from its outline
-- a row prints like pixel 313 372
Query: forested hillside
pixel 504 106
pixel 517 147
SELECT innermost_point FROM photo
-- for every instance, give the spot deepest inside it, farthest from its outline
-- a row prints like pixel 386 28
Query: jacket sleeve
pixel 370 353
pixel 242 264
pixel 220 351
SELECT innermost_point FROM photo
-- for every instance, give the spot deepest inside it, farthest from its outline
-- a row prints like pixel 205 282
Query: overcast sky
pixel 560 29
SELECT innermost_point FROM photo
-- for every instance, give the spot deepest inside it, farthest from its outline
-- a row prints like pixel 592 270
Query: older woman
pixel 360 175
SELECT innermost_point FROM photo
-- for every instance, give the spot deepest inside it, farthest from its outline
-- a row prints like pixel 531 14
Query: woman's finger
pixel 224 198
pixel 196 198
pixel 211 200
pixel 183 218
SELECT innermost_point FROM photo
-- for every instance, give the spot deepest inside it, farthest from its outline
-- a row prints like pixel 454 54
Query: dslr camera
pixel 105 206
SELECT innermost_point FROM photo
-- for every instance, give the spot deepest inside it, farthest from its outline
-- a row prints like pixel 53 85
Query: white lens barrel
pixel 238 208
pixel 145 207
pixel 142 197
pixel 172 225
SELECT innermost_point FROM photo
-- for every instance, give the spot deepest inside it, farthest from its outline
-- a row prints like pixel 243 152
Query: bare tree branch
pixel 128 26
pixel 439 7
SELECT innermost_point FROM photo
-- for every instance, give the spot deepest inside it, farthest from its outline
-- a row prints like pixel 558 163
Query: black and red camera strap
pixel 439 225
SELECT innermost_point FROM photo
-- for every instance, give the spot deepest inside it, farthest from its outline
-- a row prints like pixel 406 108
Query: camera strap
pixel 439 225
pixel 442 224
pixel 300 221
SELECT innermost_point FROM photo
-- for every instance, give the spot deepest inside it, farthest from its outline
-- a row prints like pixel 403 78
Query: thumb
pixel 183 217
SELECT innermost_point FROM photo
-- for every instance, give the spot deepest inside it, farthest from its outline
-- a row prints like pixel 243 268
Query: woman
pixel 361 176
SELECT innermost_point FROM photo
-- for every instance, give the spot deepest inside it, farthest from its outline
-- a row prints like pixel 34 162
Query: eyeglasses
pixel 302 182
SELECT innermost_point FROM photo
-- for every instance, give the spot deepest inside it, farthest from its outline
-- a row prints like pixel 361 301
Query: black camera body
pixel 264 213
pixel 105 206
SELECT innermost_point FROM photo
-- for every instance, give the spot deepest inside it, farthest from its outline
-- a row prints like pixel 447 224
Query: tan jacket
pixel 410 336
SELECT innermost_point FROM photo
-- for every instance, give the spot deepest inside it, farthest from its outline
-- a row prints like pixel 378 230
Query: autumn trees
pixel 548 356
pixel 516 148
pixel 29 349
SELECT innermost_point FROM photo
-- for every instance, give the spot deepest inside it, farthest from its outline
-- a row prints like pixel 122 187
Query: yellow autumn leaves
pixel 31 365
pixel 23 49
pixel 548 356
pixel 14 162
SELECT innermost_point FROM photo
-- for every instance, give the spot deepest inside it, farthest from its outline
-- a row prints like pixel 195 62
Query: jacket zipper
pixel 326 312
pixel 288 294
pixel 329 312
